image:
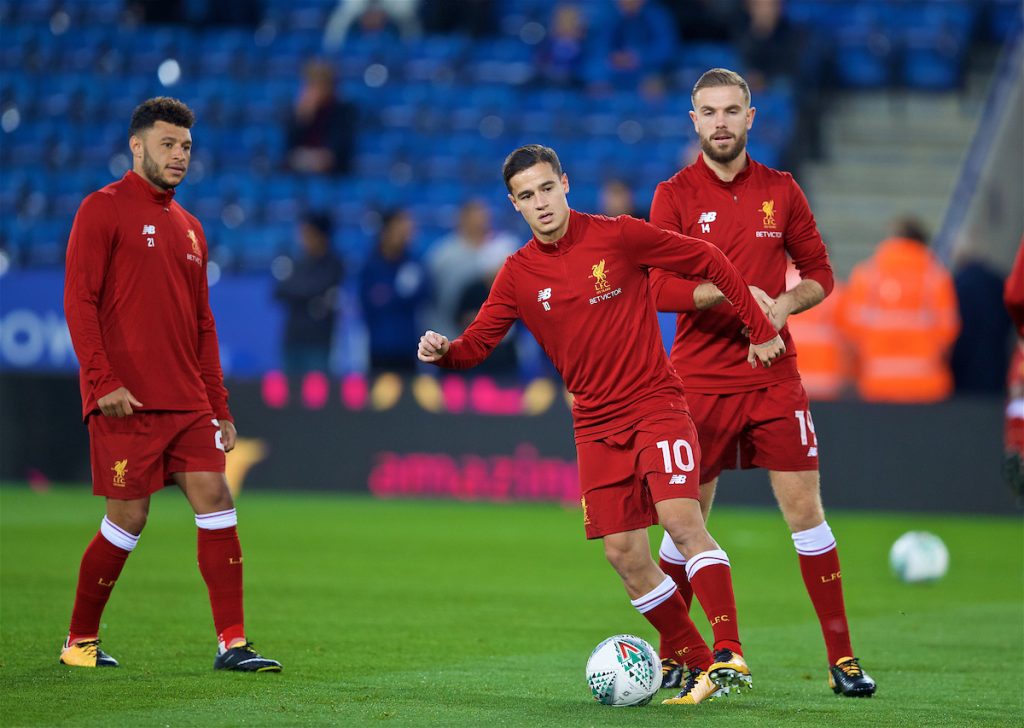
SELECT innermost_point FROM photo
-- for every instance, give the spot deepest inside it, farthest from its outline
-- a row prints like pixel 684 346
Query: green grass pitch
pixel 461 614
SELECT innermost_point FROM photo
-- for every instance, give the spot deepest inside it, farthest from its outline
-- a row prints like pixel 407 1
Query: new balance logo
pixel 812 452
pixel 707 217
pixel 677 480
pixel 543 296
pixel 149 229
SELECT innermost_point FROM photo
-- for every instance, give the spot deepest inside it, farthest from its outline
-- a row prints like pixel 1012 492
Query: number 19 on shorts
pixel 678 453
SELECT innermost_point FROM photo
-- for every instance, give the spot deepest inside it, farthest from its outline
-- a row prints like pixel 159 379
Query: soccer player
pixel 581 287
pixel 760 417
pixel 153 396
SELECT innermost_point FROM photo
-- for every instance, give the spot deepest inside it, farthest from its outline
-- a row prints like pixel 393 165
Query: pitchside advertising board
pixel 456 436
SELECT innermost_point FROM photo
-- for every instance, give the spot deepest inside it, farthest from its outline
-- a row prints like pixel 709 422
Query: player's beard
pixel 151 170
pixel 728 155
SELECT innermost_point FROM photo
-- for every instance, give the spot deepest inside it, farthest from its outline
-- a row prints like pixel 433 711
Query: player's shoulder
pixel 771 176
pixel 192 219
pixel 102 201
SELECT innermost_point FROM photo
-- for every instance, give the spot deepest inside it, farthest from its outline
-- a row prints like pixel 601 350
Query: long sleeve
pixel 209 352
pixel 492 322
pixel 672 293
pixel 656 248
pixel 88 258
pixel 804 244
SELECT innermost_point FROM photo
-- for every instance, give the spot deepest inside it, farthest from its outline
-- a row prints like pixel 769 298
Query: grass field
pixel 456 614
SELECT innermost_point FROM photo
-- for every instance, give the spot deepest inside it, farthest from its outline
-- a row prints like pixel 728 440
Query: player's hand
pixel 228 435
pixel 766 352
pixel 781 311
pixel 766 302
pixel 433 346
pixel 119 403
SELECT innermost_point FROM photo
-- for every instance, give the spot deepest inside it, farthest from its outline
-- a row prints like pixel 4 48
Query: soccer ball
pixel 919 556
pixel 624 670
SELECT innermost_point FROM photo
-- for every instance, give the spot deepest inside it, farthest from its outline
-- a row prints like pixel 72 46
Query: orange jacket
pixel 823 355
pixel 900 315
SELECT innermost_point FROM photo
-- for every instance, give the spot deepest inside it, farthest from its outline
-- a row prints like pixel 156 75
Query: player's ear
pixel 565 182
pixel 135 144
pixel 750 116
pixel 513 201
pixel 693 118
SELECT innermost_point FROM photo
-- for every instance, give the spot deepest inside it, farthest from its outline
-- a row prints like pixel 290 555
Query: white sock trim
pixel 814 541
pixel 117 535
pixel 217 519
pixel 656 596
pixel 670 552
pixel 705 558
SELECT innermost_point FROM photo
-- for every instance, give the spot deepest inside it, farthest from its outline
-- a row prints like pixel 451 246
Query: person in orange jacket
pixel 900 315
pixel 825 358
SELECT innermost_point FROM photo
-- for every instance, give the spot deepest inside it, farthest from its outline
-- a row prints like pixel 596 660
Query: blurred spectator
pixel 477 18
pixel 981 353
pixel 825 359
pixel 776 54
pixel 705 21
pixel 768 44
pixel 633 49
pixel 560 57
pixel 321 128
pixel 617 199
pixel 367 18
pixel 503 361
pixel 472 252
pixel 393 287
pixel 309 294
pixel 900 315
pixel 196 12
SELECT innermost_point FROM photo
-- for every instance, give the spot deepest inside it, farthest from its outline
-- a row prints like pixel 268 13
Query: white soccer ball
pixel 919 556
pixel 624 670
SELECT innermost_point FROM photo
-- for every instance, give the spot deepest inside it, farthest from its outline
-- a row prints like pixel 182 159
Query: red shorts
pixel 623 475
pixel 135 456
pixel 766 428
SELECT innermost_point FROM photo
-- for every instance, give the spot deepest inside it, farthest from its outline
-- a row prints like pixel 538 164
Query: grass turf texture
pixel 457 614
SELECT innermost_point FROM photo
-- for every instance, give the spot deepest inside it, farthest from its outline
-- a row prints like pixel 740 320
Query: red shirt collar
pixel 161 197
pixel 573 233
pixel 710 173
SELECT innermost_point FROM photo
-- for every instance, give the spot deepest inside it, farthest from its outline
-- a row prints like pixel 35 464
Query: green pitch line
pixel 457 614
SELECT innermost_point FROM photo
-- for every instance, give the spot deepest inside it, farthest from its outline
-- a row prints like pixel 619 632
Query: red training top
pixel 587 300
pixel 755 220
pixel 137 303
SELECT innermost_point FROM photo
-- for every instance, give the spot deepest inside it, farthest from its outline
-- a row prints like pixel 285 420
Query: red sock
pixel 101 566
pixel 678 574
pixel 220 563
pixel 665 609
pixel 711 578
pixel 824 584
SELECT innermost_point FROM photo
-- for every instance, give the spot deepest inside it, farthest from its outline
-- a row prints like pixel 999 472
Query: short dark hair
pixel 720 77
pixel 911 228
pixel 526 157
pixel 161 108
pixel 319 221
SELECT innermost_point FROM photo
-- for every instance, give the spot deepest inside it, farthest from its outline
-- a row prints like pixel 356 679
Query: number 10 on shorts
pixel 679 453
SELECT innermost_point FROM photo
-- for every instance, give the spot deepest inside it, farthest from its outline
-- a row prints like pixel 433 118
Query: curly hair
pixel 160 108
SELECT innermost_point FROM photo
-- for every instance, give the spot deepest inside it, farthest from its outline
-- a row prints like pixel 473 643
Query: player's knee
pixel 623 557
pixel 132 521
